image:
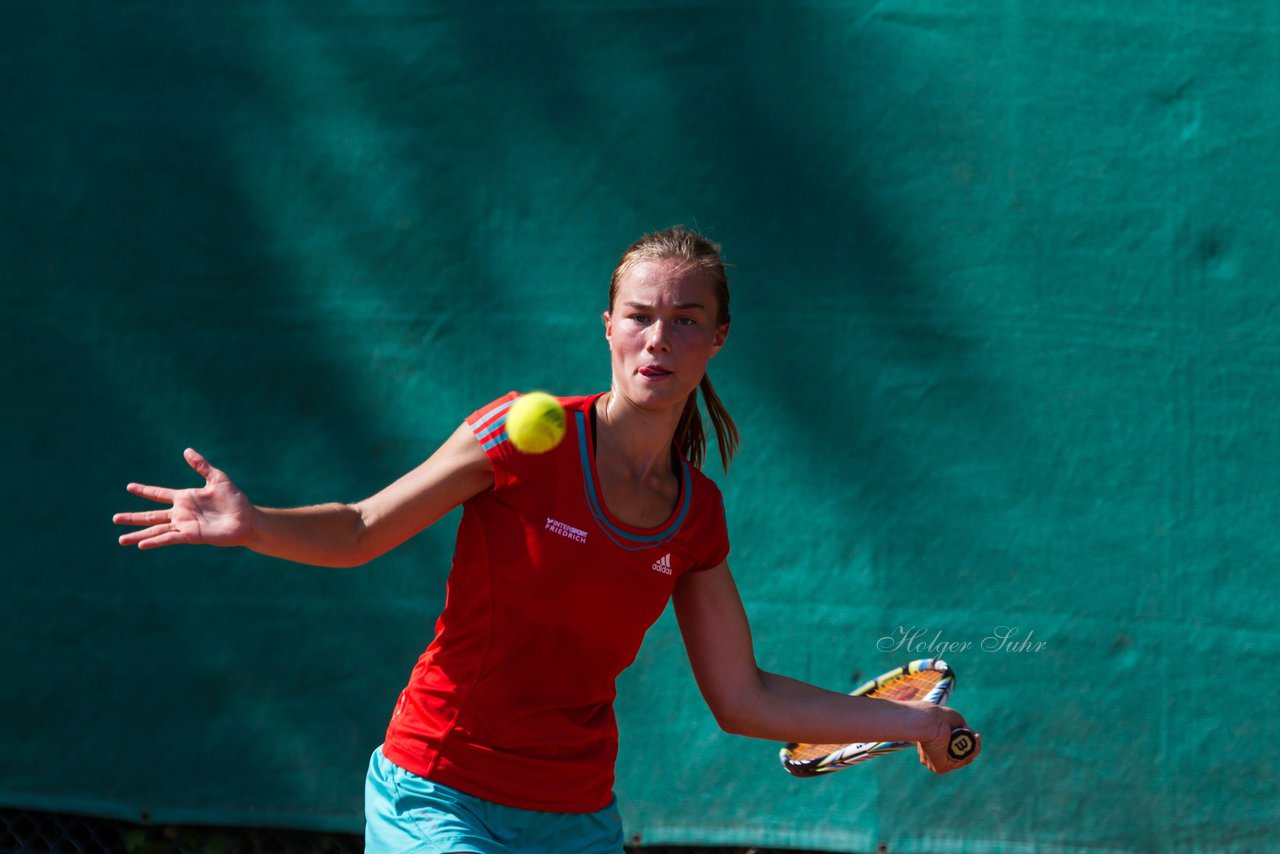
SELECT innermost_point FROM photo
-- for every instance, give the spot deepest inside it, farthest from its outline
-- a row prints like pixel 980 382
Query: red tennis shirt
pixel 547 602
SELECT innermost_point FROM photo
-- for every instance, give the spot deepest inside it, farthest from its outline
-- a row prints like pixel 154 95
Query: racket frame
pixel 856 752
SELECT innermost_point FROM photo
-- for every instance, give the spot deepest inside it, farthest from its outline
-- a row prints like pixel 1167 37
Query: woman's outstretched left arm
pixel 749 701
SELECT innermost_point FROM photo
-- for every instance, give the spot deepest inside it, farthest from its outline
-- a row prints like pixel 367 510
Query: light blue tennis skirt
pixel 407 813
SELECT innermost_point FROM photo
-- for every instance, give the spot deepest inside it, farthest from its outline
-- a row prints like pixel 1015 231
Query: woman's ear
pixel 722 333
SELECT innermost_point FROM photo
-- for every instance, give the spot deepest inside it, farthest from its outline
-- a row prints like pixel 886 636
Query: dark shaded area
pixel 23 832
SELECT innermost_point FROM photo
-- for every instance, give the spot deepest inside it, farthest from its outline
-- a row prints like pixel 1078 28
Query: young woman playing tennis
pixel 504 739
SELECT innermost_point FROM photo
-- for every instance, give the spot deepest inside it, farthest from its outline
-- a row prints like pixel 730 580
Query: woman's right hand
pixel 218 513
pixel 934 752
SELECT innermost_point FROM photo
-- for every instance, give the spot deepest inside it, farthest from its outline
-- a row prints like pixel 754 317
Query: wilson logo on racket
pixel 928 679
pixel 961 745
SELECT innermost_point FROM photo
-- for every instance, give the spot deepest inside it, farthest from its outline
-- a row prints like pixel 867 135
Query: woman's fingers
pixel 152 493
pixel 934 755
pixel 207 512
pixel 148 537
pixel 202 466
pixel 161 531
pixel 172 538
pixel 145 517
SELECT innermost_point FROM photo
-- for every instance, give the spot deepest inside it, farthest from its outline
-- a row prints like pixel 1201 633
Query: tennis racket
pixel 928 679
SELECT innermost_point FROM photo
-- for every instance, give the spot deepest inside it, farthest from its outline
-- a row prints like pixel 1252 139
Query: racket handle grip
pixel 963 743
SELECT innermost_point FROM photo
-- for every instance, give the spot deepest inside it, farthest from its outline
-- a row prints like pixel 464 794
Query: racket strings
pixel 904 686
pixel 908 686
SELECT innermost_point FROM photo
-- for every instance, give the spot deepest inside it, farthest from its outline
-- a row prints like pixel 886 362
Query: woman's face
pixel 662 332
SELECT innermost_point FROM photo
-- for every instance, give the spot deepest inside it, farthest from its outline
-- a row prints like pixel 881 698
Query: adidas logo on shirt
pixel 663 564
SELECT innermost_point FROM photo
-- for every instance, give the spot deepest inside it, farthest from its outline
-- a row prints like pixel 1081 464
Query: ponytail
pixel 691 438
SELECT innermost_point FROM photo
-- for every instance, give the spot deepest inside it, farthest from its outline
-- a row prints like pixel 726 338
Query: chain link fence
pixel 28 832
pixel 56 833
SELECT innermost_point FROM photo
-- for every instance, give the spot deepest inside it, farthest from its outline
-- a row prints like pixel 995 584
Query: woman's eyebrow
pixel 680 306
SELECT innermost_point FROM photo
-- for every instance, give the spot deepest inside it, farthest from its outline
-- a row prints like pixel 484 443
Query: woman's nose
pixel 657 337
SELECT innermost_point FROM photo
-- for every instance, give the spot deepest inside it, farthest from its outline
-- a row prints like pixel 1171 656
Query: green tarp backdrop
pixel 1004 358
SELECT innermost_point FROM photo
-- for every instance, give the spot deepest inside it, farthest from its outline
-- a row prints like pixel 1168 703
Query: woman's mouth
pixel 653 372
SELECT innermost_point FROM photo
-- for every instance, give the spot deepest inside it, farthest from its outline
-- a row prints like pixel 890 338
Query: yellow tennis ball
pixel 535 423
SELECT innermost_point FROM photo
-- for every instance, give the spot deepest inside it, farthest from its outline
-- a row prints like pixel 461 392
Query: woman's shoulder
pixel 495 409
pixel 578 402
pixel 704 488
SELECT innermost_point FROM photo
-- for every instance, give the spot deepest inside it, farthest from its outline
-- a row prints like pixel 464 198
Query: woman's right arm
pixel 322 535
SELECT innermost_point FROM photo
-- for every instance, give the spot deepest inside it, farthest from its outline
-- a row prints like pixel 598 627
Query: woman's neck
pixel 638 440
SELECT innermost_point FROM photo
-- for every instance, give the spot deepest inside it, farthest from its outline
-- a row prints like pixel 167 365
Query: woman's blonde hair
pixel 698 253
